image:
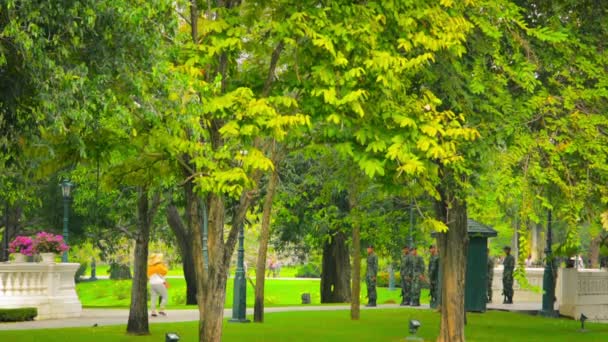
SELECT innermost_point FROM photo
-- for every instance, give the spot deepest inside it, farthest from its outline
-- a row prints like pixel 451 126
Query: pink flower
pixel 49 243
pixel 21 244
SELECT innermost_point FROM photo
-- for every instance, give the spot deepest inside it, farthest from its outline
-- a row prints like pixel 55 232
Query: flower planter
pixel 18 257
pixel 47 258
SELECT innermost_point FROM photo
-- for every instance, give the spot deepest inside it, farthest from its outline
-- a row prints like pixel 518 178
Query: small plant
pixel 49 243
pixel 21 244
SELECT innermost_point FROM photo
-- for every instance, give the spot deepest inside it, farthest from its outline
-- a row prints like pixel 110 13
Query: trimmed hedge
pixel 18 315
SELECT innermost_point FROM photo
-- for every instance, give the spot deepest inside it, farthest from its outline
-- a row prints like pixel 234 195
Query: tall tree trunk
pixel 212 284
pixel 452 256
pixel 138 311
pixel 356 280
pixel 260 269
pixel 184 242
pixel 4 248
pixel 594 251
pixel 12 225
pixel 335 272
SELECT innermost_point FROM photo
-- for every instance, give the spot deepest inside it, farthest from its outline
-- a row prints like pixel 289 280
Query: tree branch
pixel 276 54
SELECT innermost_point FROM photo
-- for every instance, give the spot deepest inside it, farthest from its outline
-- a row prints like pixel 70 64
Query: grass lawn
pixel 286 272
pixel 375 325
pixel 116 293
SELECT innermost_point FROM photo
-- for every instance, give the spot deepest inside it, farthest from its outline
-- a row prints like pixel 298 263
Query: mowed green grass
pixel 374 325
pixel 103 270
pixel 278 292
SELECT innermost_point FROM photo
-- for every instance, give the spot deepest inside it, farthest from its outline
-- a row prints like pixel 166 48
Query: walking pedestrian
pixel 157 270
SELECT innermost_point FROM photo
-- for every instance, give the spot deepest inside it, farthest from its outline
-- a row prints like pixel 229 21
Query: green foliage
pixel 309 271
pixel 18 315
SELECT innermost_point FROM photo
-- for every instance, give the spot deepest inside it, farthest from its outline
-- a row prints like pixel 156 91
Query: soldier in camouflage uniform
pixel 370 277
pixel 416 275
pixel 433 274
pixel 507 276
pixel 490 276
pixel 406 266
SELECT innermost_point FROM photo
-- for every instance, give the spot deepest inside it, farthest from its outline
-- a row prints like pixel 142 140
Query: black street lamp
pixel 239 299
pixel 66 189
pixel 410 238
pixel 548 276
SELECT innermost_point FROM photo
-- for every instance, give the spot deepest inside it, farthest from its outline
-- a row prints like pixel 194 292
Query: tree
pixel 219 118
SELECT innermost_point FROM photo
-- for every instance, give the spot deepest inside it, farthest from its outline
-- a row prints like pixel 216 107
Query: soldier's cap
pixel 406 247
pixel 370 246
pixel 431 246
pixel 506 248
pixel 413 247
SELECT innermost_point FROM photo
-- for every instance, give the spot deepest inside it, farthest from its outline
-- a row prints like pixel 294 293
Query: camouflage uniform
pixel 406 266
pixel 490 277
pixel 433 279
pixel 416 273
pixel 370 278
pixel 507 279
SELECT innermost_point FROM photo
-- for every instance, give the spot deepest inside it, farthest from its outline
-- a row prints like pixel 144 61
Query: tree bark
pixel 12 226
pixel 260 270
pixel 212 283
pixel 594 251
pixel 138 311
pixel 184 242
pixel 335 271
pixel 452 257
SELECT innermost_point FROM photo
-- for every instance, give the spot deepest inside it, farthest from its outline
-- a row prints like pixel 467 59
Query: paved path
pixel 101 317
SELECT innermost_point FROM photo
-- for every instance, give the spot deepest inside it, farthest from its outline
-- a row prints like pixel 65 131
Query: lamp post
pixel 239 307
pixel 548 309
pixel 410 238
pixel 66 189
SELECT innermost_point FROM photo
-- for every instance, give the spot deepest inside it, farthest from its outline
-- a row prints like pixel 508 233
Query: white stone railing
pixel 583 292
pixel 49 287
pixel 520 295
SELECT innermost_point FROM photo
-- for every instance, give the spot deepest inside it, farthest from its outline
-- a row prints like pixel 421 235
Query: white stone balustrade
pixel 520 295
pixel 583 292
pixel 49 287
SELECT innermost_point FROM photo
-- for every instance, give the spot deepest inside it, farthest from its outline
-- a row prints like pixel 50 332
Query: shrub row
pixel 18 315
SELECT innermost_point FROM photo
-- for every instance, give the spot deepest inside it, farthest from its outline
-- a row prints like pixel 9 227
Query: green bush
pixel 382 279
pixel 18 315
pixel 308 271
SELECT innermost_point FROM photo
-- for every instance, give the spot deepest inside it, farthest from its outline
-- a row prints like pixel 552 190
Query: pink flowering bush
pixel 49 243
pixel 21 244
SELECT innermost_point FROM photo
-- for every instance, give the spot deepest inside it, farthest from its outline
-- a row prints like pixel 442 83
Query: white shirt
pixel 156 279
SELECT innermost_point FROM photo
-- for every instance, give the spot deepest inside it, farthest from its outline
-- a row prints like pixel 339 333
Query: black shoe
pixel 404 304
pixel 370 305
pixel 416 304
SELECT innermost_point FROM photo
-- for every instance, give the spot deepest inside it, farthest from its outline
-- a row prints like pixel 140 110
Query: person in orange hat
pixel 157 270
